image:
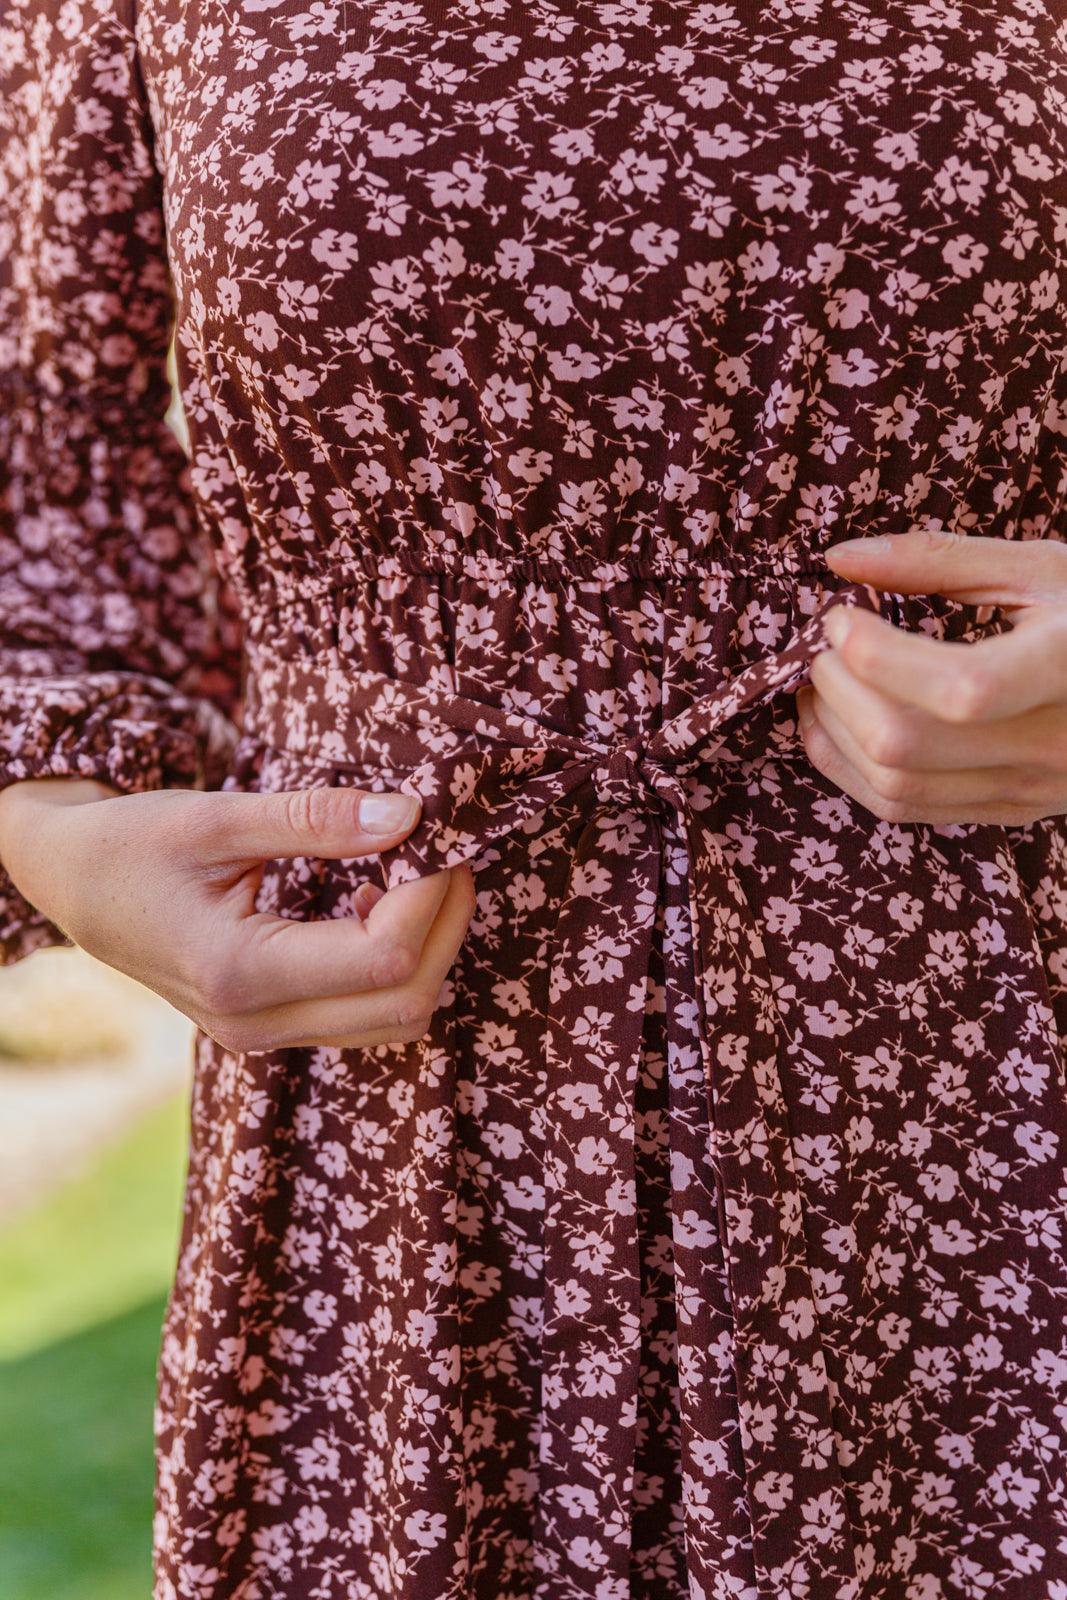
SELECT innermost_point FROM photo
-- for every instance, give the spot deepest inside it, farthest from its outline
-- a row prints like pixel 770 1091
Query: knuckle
pixel 394 962
pixel 308 811
pixel 968 696
pixel 887 742
pixel 1033 786
pixel 943 540
pixel 861 652
pixel 220 990
pixel 249 1035
pixel 413 1010
pixel 890 810
pixel 212 989
pixel 234 1034
pixel 816 750
pixel 199 975
pixel 815 738
pixel 411 1034
pixel 891 784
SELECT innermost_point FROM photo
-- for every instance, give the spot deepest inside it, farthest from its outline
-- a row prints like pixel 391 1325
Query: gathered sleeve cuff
pixel 119 647
pixel 120 650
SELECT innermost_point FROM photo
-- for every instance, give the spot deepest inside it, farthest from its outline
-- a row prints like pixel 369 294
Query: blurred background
pixel 94 1084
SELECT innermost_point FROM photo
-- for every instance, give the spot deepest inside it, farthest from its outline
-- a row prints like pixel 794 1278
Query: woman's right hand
pixel 162 886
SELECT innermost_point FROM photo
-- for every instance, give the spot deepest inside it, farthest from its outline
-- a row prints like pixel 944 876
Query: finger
pixel 366 896
pixel 890 733
pixel 959 681
pixel 926 786
pixel 942 804
pixel 968 567
pixel 278 961
pixel 324 822
pixel 379 1015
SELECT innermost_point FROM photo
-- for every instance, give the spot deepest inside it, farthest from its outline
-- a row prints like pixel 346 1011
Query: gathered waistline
pixel 362 567
pixel 324 705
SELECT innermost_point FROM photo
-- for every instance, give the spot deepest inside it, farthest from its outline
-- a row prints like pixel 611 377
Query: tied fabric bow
pixel 637 807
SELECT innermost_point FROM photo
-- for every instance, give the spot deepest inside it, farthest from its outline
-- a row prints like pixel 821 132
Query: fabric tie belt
pixel 484 774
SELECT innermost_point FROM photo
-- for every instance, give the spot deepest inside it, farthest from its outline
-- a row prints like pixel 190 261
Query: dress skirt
pixel 534 354
pixel 710 1243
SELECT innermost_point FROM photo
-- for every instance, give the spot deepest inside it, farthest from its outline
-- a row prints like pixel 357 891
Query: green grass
pixel 83 1281
pixel 76 1464
pixel 100 1244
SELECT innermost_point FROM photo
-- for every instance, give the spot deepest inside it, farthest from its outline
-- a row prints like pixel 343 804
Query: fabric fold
pixel 483 774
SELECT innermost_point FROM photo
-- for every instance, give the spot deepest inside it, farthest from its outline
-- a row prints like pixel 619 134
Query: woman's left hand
pixel 931 730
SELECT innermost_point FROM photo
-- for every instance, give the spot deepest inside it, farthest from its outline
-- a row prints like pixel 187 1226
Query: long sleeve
pixel 119 648
pixel 117 645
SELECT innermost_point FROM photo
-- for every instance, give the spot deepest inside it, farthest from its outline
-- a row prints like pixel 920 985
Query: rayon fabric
pixel 711 1243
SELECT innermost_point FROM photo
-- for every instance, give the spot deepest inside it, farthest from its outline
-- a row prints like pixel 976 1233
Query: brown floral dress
pixel 711 1244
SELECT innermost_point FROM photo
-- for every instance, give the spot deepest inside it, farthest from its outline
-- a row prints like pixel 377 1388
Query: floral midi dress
pixel 710 1245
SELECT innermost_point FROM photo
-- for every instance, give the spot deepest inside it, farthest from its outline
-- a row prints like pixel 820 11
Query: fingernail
pixel 804 710
pixel 836 626
pixel 367 897
pixel 874 541
pixel 385 813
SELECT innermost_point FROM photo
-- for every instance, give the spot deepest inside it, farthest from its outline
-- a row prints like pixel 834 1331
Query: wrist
pixel 16 798
pixel 68 791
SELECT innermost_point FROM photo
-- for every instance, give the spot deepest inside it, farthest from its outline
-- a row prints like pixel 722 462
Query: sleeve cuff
pixel 131 732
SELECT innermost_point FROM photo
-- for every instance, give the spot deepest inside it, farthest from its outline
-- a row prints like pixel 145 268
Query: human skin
pixel 162 885
pixel 936 731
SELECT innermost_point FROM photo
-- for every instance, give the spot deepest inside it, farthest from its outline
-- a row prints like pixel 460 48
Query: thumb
pixel 323 822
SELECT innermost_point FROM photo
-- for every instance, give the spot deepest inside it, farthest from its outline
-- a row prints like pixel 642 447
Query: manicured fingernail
pixel 874 542
pixel 836 626
pixel 804 710
pixel 385 813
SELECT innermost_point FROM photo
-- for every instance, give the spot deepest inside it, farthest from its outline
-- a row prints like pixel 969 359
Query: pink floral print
pixel 711 1243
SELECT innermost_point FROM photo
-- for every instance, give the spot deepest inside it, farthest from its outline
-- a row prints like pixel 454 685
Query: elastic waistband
pixel 321 705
